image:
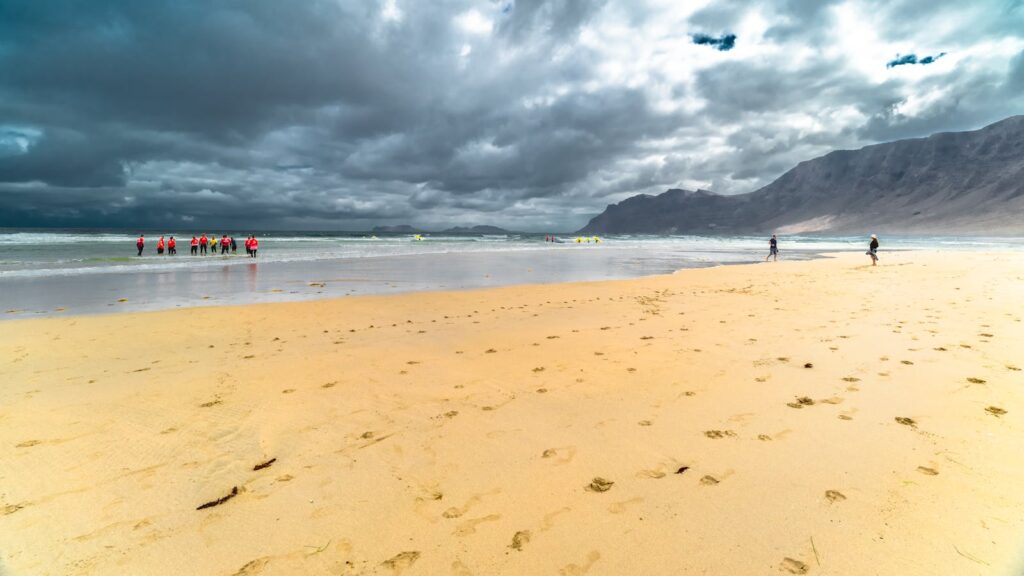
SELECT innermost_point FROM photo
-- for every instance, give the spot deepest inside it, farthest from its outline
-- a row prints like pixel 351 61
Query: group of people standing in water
pixel 202 245
pixel 773 249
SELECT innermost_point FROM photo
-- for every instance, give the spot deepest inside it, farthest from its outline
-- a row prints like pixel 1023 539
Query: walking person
pixel 234 246
pixel 172 247
pixel 224 243
pixel 140 243
pixel 195 245
pixel 253 246
pixel 773 249
pixel 248 246
pixel 203 241
pixel 160 245
pixel 873 250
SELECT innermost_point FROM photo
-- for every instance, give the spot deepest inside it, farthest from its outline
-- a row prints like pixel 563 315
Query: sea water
pixel 74 271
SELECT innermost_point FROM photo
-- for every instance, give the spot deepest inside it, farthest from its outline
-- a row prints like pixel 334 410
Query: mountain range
pixel 948 183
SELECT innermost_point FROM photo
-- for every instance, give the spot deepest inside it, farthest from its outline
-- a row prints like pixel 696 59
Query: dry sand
pixel 819 417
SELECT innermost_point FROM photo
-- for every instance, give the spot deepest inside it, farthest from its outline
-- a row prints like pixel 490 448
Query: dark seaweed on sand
pixel 263 465
pixel 221 500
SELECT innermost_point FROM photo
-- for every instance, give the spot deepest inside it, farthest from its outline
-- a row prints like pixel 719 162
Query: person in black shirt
pixel 773 249
pixel 873 250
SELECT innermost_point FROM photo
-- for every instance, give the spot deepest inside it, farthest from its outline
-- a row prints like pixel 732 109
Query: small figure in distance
pixel 140 243
pixel 203 241
pixel 172 247
pixel 160 245
pixel 254 245
pixel 195 245
pixel 234 245
pixel 773 249
pixel 873 250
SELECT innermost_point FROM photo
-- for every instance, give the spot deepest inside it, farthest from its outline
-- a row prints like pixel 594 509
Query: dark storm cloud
pixel 525 113
pixel 722 43
pixel 907 59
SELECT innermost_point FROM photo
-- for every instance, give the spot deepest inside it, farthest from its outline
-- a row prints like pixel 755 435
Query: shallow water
pixel 94 272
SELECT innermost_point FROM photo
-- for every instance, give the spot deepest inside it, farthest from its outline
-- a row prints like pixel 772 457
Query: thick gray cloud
pixel 529 114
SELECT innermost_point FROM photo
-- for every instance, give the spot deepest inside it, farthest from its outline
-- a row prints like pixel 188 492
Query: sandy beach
pixel 817 417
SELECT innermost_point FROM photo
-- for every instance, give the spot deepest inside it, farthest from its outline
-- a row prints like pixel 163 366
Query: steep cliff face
pixel 955 182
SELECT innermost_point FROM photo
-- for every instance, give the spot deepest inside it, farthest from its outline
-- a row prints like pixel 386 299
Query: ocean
pixel 46 272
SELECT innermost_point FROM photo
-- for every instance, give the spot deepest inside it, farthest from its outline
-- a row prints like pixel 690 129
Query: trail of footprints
pixel 652 306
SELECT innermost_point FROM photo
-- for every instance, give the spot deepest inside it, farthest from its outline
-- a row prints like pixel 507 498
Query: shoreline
pixel 810 417
pixel 315 282
pixel 278 282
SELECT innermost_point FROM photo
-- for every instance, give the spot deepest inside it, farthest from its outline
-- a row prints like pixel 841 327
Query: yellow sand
pixel 457 433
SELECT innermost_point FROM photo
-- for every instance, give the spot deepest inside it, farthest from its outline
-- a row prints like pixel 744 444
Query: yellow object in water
pixel 418 238
pixel 596 240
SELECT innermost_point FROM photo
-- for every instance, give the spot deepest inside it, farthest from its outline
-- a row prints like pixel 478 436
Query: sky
pixel 530 115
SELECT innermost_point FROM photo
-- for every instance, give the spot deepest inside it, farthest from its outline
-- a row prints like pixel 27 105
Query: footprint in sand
pixel 520 539
pixel 709 480
pixel 253 567
pixel 801 401
pixel 402 561
pixel 579 569
pixel 11 508
pixel 793 566
pixel 620 507
pixel 716 434
pixel 454 512
pixel 469 526
pixel 834 496
pixel 995 411
pixel 28 443
pixel 655 473
pixel 907 421
pixel 927 471
pixel 548 521
pixel 599 484
pixel 561 455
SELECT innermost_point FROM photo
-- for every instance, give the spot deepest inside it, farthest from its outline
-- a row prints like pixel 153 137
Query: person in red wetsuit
pixel 160 245
pixel 140 243
pixel 224 244
pixel 253 246
pixel 195 245
pixel 203 241
pixel 172 246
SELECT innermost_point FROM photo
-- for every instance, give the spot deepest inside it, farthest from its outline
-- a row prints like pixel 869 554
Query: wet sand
pixel 820 417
